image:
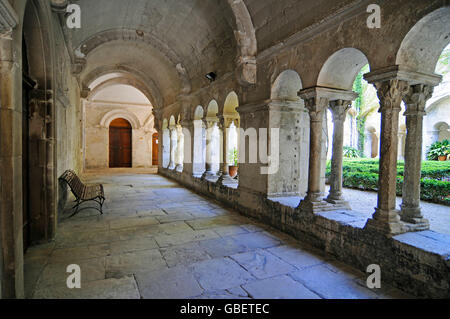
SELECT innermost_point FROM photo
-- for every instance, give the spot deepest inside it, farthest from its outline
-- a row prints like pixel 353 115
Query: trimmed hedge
pixel 363 174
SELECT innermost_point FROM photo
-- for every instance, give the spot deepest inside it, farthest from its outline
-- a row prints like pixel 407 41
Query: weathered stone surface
pixel 222 247
pixel 298 258
pixel 184 254
pixel 126 246
pixel 174 283
pixel 131 263
pixel 123 288
pixel 263 264
pixel 72 255
pixel 191 264
pixel 56 273
pixel 220 274
pixel 257 240
pixel 332 285
pixel 181 238
pixel 283 287
pixel 132 222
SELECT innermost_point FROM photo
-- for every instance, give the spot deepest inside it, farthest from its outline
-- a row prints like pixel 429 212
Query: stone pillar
pixel 11 218
pixel 415 101
pixel 225 177
pixel 189 147
pixel 209 123
pixel 386 218
pixel 339 110
pixel 316 106
pixel 173 147
pixel 179 149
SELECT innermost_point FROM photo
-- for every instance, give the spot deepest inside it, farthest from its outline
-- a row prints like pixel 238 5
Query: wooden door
pixel 120 144
pixel 155 150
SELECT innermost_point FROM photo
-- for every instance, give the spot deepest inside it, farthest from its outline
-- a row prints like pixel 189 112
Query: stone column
pixel 225 177
pixel 386 218
pixel 179 149
pixel 11 213
pixel 415 101
pixel 209 129
pixel 173 147
pixel 339 110
pixel 316 106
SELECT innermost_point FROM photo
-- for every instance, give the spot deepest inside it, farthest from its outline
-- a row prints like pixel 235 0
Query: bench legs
pixel 99 201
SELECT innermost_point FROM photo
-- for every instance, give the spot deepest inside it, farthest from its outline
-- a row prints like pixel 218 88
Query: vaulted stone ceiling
pixel 171 43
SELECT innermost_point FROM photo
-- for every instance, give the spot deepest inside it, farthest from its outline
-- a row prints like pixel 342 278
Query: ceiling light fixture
pixel 211 76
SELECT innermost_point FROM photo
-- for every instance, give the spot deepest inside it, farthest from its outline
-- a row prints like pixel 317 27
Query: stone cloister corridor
pixel 160 240
pixel 261 149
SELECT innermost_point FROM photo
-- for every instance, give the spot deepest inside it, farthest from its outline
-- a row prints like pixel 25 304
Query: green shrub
pixel 363 174
pixel 350 152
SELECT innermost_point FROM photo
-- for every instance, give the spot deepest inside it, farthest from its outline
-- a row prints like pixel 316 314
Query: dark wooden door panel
pixel 155 149
pixel 120 144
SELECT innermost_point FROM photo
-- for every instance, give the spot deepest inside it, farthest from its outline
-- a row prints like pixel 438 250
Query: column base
pixel 417 224
pixel 390 226
pixel 209 175
pixel 339 203
pixel 413 215
pixel 226 179
pixel 315 204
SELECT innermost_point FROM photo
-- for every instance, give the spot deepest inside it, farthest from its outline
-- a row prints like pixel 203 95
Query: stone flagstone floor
pixel 160 240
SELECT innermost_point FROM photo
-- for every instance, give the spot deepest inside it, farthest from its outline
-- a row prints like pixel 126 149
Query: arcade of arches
pixel 124 101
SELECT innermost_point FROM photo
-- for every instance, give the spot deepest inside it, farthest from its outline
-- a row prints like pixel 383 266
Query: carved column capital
pixel 316 107
pixel 391 93
pixel 339 109
pixel 416 99
pixel 8 19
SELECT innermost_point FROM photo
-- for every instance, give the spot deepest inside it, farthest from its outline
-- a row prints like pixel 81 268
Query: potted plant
pixel 439 151
pixel 233 158
pixel 350 152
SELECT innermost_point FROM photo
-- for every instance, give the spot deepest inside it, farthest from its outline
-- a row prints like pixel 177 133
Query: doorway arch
pixel 120 144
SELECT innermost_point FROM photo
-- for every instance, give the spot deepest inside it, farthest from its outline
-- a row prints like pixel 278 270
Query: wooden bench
pixel 83 193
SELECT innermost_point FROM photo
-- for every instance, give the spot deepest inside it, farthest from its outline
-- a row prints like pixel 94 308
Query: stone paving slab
pixel 296 257
pixel 331 285
pixel 131 263
pixel 184 254
pixel 262 264
pixel 186 237
pixel 282 287
pixel 123 288
pixel 223 247
pixel 220 274
pixel 181 245
pixel 173 283
pixel 56 273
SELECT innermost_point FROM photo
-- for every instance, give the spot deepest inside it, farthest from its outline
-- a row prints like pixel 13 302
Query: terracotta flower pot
pixel 442 158
pixel 233 170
